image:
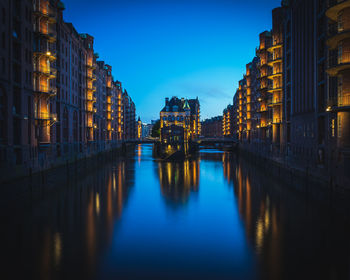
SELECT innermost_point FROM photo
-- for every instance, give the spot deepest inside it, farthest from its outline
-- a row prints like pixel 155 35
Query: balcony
pixel 335 6
pixel 91 88
pixel 49 35
pixel 46 117
pixel 275 75
pixel 275 46
pixel 261 49
pixel 91 66
pixel 335 36
pixel 276 121
pixel 51 55
pixel 43 12
pixel 91 77
pixel 335 66
pixel 273 61
pixel 265 86
pixel 48 72
pixel 275 88
pixel 53 73
pixel 339 103
pixel 264 74
pixel 275 102
pixel 263 109
pixel 51 91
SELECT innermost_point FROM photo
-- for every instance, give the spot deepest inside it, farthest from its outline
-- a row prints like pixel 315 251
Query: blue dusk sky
pixel 184 48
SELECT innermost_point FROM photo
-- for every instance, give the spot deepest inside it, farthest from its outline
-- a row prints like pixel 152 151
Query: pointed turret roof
pixel 186 105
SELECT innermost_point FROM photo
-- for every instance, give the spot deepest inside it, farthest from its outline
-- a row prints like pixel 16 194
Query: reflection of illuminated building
pixel 82 222
pixel 178 179
pixel 256 209
pixel 227 166
pixel 139 128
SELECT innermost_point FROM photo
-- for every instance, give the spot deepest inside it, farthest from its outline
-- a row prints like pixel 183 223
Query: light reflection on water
pixel 210 217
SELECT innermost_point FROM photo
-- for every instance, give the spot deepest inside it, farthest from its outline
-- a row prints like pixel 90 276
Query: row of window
pixel 173 118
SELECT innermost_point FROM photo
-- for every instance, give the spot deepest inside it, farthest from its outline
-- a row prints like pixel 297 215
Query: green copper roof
pixel 186 105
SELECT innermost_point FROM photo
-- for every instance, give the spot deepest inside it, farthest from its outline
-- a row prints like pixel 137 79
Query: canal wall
pixel 315 184
pixel 65 167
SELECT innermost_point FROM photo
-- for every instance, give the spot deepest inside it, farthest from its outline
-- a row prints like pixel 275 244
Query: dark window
pixel 2 114
pixel 3 16
pixel 3 40
pixel 65 125
pixel 29 118
pixel 3 66
pixel 75 126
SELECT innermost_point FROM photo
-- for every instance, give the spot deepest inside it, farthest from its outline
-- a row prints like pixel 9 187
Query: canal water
pixel 211 217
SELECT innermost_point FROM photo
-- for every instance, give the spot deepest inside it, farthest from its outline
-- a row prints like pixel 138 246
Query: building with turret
pixel 180 120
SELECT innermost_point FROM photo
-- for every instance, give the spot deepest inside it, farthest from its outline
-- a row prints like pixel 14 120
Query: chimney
pixel 166 101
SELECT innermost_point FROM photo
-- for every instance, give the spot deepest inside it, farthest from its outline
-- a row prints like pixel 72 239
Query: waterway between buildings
pixel 211 217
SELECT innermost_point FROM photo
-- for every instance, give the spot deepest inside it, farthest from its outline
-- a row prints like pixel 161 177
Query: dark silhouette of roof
pixel 180 105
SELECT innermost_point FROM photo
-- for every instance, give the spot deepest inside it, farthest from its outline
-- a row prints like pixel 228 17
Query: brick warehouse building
pixel 301 103
pixel 57 101
pixel 212 128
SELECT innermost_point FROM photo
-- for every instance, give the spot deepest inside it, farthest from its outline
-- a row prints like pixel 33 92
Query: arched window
pixel 75 126
pixel 65 125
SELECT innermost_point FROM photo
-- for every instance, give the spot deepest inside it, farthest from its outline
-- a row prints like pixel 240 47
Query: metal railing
pixel 92 88
pixel 276 121
pixel 339 101
pixel 275 101
pixel 46 116
pixel 46 89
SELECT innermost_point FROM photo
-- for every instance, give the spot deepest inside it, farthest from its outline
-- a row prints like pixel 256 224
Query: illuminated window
pixel 339 127
pixel 333 127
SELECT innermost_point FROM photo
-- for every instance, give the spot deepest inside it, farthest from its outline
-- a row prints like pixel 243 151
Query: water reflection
pixel 113 223
pixel 64 235
pixel 294 237
pixel 178 179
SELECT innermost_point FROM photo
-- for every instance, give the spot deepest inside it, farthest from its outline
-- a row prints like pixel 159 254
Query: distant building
pixel 212 128
pixel 180 120
pixel 139 128
pixel 146 130
pixel 227 122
